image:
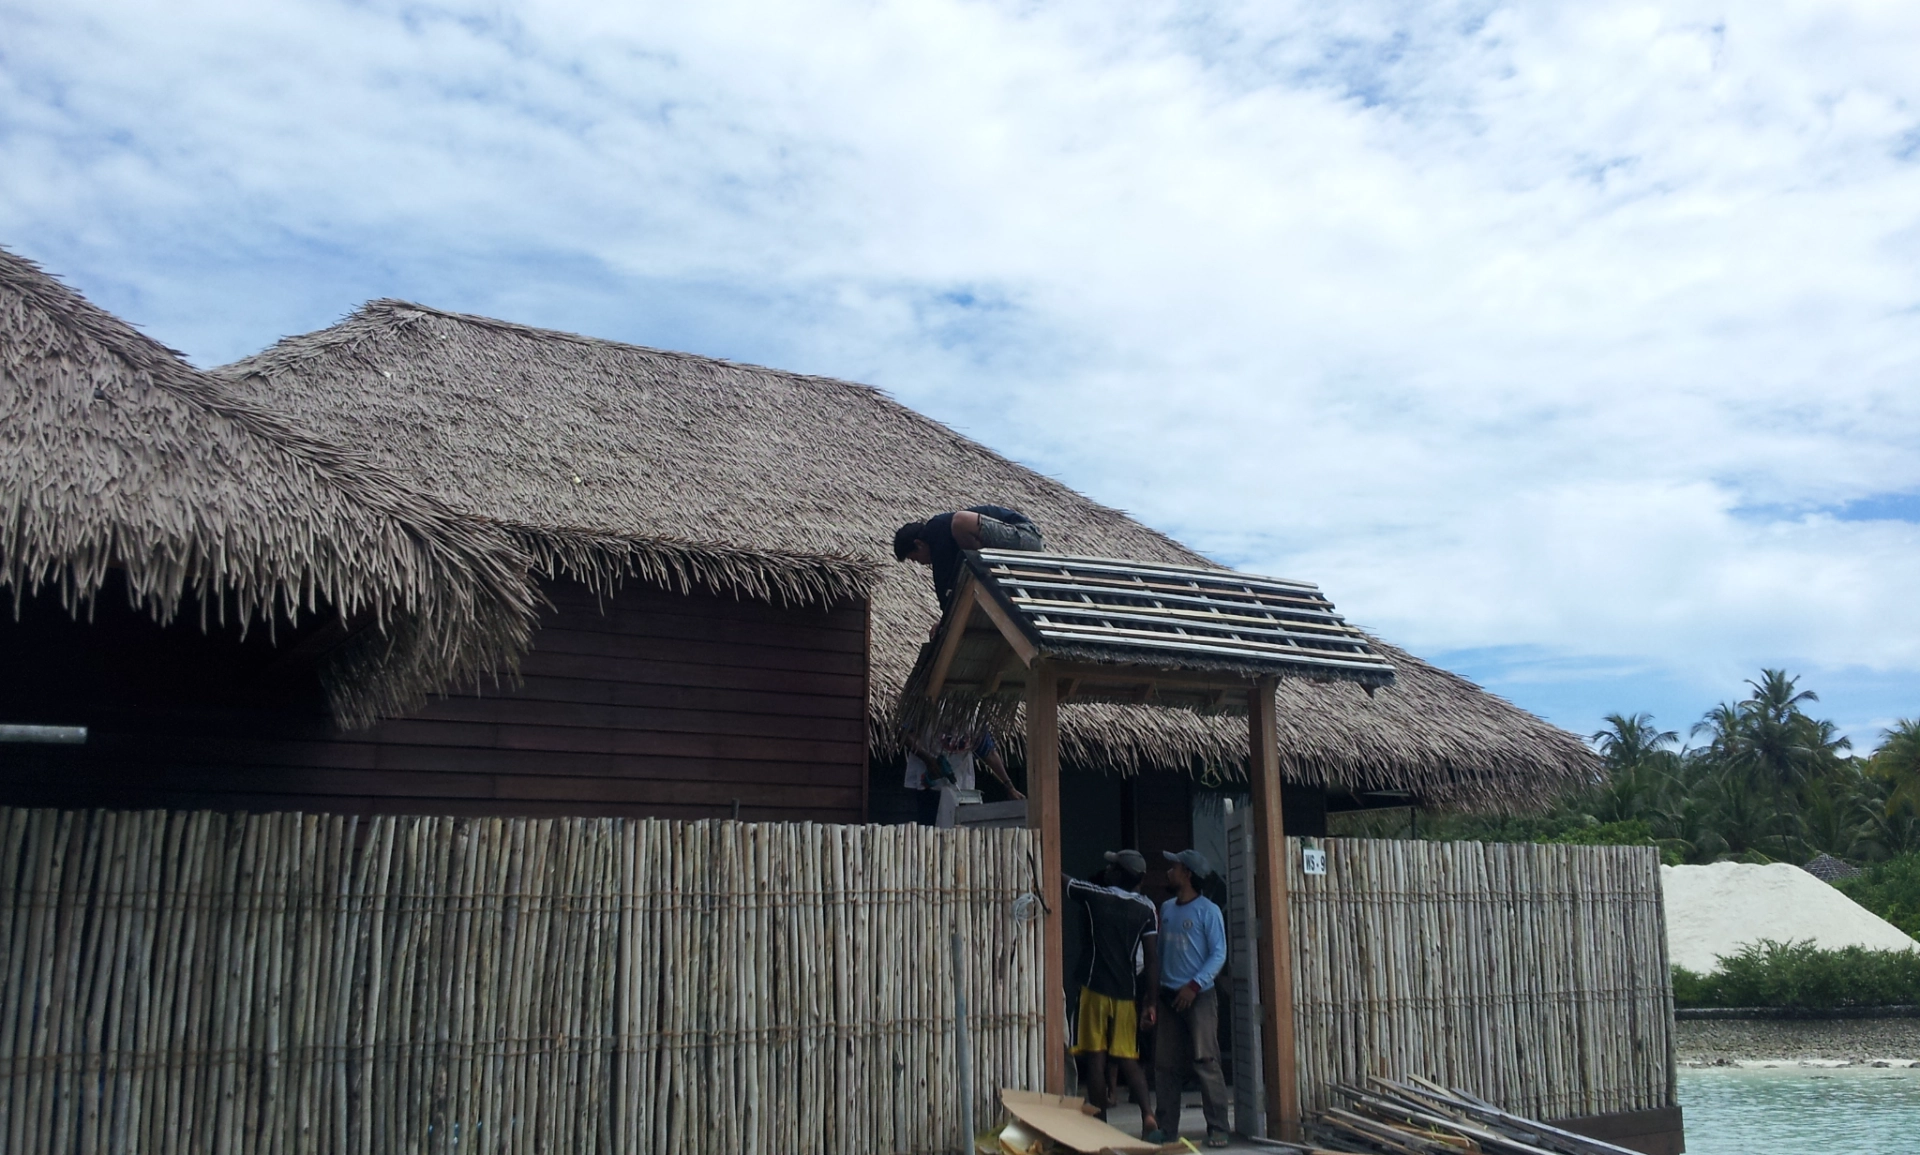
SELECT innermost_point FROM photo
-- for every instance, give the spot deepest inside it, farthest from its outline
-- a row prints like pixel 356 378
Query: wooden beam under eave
pixel 955 632
pixel 1277 1045
pixel 1130 675
pixel 997 614
pixel 1043 815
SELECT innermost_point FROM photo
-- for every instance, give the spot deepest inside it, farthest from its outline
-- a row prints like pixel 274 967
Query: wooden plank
pixel 1270 895
pixel 1043 814
pixel 675 628
pixel 1657 1131
pixel 132 752
pixel 676 671
pixel 1206 619
pixel 546 688
pixel 1094 674
pixel 595 740
pixel 515 711
pixel 844 799
pixel 546 764
pixel 1181 595
pixel 702 652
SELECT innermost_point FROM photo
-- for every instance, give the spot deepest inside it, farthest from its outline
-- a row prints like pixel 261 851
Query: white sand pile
pixel 1716 910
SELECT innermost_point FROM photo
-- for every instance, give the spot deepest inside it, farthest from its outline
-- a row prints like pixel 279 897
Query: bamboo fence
pixel 1532 976
pixel 297 983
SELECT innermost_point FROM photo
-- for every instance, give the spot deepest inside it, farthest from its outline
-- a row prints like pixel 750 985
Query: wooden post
pixel 1043 814
pixel 1270 907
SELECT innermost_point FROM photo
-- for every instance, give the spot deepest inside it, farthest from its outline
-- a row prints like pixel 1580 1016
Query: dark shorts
pixel 997 534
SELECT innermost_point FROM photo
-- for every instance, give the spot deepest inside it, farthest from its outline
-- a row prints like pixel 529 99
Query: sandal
pixel 1218 1139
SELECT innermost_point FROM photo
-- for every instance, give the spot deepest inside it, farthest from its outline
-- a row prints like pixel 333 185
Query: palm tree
pixel 1628 741
pixel 1835 815
pixel 1779 742
pixel 1897 763
pixel 1723 726
pixel 1640 769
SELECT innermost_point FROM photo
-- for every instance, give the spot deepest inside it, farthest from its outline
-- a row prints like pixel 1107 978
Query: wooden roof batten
pixel 1133 632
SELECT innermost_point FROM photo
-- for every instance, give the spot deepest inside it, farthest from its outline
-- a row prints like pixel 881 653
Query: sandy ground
pixel 1866 1042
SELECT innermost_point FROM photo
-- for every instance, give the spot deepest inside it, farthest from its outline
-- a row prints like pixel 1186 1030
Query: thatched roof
pixel 543 428
pixel 115 454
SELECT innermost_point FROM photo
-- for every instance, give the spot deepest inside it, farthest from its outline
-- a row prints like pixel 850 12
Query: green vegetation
pixel 1776 974
pixel 1890 889
pixel 1763 781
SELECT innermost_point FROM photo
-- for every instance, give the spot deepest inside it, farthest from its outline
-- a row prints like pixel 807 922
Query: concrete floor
pixel 1193 1125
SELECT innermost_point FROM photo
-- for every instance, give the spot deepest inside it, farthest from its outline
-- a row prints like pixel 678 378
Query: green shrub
pixel 1631 832
pixel 1890 889
pixel 1799 974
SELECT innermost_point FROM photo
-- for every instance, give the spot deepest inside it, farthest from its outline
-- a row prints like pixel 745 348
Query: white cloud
pixel 1506 324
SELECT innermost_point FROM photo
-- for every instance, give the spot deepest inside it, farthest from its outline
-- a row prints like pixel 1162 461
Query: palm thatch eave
pixel 116 455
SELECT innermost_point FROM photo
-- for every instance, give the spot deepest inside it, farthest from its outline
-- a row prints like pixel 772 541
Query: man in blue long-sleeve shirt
pixel 1193 948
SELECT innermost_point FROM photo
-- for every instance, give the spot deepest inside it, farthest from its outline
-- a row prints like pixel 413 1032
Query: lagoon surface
pixel 1843 1111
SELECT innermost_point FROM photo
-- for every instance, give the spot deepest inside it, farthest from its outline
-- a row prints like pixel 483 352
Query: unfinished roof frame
pixel 1211 640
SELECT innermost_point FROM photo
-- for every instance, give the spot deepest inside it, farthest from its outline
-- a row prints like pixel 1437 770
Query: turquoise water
pixel 1849 1111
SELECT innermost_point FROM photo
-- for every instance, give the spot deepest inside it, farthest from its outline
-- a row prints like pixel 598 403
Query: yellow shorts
pixel 1106 1024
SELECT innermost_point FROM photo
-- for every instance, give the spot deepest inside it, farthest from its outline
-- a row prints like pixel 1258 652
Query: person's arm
pixel 918 746
pixel 966 529
pixel 1150 946
pixel 998 766
pixel 1216 949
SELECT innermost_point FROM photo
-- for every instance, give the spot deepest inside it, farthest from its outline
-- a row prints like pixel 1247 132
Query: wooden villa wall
pixel 217 984
pixel 651 704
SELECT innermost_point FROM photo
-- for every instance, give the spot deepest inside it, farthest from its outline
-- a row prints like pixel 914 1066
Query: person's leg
pixel 1097 1081
pixel 1095 1039
pixel 997 534
pixel 1203 1034
pixel 1136 1078
pixel 1123 1051
pixel 926 807
pixel 1169 1068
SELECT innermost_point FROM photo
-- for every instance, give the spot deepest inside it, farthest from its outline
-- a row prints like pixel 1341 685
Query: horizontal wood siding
pixel 646 704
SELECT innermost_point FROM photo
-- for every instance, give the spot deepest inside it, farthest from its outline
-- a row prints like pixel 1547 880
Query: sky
pixel 1574 347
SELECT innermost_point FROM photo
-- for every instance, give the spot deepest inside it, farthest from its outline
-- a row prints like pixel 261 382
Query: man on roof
pixel 941 539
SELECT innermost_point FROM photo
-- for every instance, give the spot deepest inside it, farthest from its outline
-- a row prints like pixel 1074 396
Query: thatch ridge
pixel 541 428
pixel 120 455
pixel 609 549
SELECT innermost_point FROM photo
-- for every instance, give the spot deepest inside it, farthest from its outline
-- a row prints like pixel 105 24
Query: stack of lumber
pixel 1417 1117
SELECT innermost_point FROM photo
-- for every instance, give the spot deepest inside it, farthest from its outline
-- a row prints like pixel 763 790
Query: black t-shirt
pixel 1117 922
pixel 946 551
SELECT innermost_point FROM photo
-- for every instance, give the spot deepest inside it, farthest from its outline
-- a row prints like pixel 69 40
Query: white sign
pixel 1313 861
